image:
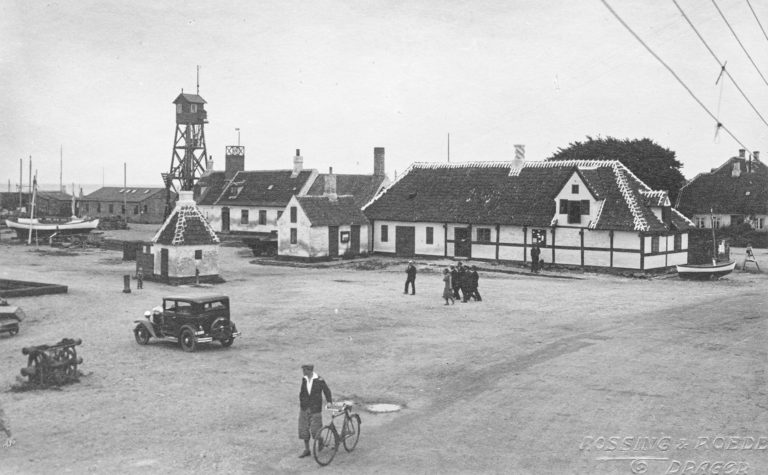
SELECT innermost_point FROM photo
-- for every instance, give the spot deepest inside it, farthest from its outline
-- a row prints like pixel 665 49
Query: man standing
pixel 139 279
pixel 311 405
pixel 535 252
pixel 411 279
pixel 475 280
pixel 455 282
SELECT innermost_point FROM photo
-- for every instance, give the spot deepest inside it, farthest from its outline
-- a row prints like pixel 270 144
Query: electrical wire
pixel 739 41
pixel 720 63
pixel 720 125
pixel 758 20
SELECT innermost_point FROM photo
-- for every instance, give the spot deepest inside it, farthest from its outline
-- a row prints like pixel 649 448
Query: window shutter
pixel 563 206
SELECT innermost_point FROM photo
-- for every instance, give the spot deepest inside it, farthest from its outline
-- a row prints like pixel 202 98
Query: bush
pixel 742 234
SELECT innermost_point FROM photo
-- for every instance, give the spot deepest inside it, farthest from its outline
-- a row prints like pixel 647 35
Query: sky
pixel 94 81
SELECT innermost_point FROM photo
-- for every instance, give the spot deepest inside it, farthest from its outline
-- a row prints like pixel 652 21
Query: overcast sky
pixel 338 78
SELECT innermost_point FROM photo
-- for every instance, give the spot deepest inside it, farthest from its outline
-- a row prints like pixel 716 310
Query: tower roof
pixel 185 225
pixel 191 98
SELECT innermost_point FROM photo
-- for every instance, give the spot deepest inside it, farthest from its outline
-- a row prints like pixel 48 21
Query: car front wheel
pixel 227 342
pixel 141 334
pixel 187 340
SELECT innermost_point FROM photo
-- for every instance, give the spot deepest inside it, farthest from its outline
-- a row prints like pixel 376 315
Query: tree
pixel 656 166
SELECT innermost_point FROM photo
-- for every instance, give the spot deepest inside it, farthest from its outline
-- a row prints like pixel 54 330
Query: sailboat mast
pixel 714 240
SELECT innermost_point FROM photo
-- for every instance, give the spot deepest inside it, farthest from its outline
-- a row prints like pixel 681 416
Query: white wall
pixel 583 194
pixel 182 263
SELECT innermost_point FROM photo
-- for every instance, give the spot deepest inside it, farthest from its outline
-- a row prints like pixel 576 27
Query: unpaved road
pixel 526 381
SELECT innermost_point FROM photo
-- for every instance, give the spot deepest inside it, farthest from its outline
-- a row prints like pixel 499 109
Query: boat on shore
pixel 705 271
pixel 43 229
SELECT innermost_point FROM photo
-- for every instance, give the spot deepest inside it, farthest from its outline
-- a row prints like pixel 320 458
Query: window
pixel 136 209
pixel 563 206
pixel 585 207
pixel 384 233
pixel 293 214
pixel 575 189
pixel 701 222
pixel 654 244
pixel 574 212
pixel 430 235
pixel 279 213
pixel 484 234
pixel 344 236
pixel 262 216
pixel 243 216
pixel 98 207
pixel 716 222
pixel 198 254
pixel 178 108
pixel 111 208
pixel 193 108
pixel 758 223
pixel 145 209
pixel 294 238
pixel 678 242
pixel 539 236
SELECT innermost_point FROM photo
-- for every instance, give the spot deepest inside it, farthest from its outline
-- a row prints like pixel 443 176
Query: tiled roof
pixel 723 193
pixel 496 192
pixel 263 188
pixel 361 187
pixel 132 194
pixel 210 187
pixel 54 195
pixel 193 98
pixel 322 211
pixel 186 226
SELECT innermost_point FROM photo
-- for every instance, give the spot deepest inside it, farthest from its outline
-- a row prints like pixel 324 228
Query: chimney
pixel 330 185
pixel 234 161
pixel 741 153
pixel 756 155
pixel 209 164
pixel 736 170
pixel 378 161
pixel 298 164
pixel 519 161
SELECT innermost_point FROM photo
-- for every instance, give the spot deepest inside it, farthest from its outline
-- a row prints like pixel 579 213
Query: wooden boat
pixel 43 229
pixel 705 271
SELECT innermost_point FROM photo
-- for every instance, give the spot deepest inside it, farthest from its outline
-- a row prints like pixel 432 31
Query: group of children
pixel 461 282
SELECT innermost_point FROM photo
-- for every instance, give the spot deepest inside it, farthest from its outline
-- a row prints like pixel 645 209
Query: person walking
pixel 474 279
pixel 448 289
pixel 455 282
pixel 311 392
pixel 139 279
pixel 535 253
pixel 411 278
pixel 463 283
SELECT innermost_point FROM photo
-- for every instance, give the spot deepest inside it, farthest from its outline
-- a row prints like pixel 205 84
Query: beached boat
pixel 705 271
pixel 43 229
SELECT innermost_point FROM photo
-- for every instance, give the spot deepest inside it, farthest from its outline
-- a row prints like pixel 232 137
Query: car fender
pixel 146 325
pixel 190 327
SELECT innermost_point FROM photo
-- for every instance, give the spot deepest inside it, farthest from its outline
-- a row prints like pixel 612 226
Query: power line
pixel 672 72
pixel 720 63
pixel 739 41
pixel 758 20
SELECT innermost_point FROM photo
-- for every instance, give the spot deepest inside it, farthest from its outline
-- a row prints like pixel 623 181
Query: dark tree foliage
pixel 656 166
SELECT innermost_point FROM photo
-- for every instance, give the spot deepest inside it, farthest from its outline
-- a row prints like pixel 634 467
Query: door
pixel 354 245
pixel 333 241
pixel 164 264
pixel 461 242
pixel 225 219
pixel 405 241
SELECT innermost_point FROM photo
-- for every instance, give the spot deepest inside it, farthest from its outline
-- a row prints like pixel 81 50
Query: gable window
pixel 654 244
pixel 294 238
pixel 198 254
pixel 178 108
pixel 678 242
pixel 575 189
pixel 384 233
pixel 293 214
pixel 262 216
pixel 243 216
pixel 430 235
pixel 574 212
pixel 701 222
pixel 539 236
pixel 484 234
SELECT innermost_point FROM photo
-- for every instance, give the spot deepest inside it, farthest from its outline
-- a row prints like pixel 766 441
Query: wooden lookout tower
pixel 189 155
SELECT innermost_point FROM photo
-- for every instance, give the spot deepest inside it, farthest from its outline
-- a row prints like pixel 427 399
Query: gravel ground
pixel 527 381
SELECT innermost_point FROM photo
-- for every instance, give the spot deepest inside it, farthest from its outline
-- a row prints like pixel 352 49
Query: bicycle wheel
pixel 325 446
pixel 351 432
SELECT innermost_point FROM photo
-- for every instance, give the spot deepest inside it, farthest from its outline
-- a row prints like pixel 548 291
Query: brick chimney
pixel 234 160
pixel 378 161
pixel 298 164
pixel 330 185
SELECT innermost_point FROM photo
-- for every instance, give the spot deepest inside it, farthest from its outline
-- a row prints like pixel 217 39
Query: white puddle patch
pixel 382 408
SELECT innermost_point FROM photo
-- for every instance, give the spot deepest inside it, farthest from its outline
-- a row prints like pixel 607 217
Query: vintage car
pixel 188 321
pixel 10 317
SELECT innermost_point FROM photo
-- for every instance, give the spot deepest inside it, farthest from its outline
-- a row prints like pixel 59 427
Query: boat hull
pixel 705 271
pixel 43 230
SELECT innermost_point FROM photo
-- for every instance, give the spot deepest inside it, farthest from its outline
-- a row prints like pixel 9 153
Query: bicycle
pixel 326 443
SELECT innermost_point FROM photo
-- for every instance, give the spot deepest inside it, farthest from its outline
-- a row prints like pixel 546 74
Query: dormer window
pixel 575 189
pixel 193 108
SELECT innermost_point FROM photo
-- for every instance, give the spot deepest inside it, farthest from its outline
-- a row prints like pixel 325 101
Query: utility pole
pixel 449 148
pixel 61 168
pixel 125 191
pixel 21 182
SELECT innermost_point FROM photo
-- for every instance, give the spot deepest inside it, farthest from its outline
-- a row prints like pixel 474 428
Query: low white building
pixel 580 213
